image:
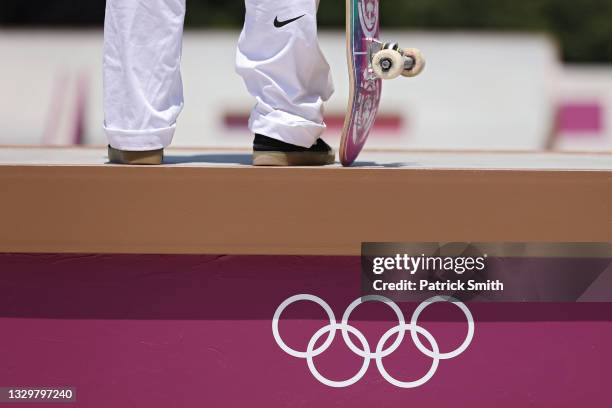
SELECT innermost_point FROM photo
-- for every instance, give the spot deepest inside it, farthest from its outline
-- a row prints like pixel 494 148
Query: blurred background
pixel 503 74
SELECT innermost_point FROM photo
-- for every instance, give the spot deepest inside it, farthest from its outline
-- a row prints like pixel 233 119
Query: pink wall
pixel 185 331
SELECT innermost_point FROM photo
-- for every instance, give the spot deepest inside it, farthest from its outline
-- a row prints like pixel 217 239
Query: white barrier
pixel 585 97
pixel 479 91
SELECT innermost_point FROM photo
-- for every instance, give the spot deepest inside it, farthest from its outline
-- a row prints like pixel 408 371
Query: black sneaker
pixel 151 157
pixel 272 152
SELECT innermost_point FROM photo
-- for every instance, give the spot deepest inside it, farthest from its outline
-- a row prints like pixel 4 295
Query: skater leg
pixel 284 69
pixel 143 93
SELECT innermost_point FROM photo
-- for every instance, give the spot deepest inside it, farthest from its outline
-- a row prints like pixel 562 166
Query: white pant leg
pixel 143 92
pixel 284 69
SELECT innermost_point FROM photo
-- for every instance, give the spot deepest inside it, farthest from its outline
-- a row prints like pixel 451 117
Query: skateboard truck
pixel 389 61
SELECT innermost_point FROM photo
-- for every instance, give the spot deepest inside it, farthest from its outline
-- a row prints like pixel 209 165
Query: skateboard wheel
pixel 414 62
pixel 388 64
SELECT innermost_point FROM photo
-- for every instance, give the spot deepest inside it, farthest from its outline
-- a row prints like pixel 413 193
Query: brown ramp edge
pixel 81 207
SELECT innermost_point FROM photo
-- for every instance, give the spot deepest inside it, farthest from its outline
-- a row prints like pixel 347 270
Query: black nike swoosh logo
pixel 279 24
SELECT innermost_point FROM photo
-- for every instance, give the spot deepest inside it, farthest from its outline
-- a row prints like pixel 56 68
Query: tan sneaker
pixel 149 157
pixel 272 152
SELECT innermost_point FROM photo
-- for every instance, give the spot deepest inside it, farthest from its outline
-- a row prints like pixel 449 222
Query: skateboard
pixel 369 62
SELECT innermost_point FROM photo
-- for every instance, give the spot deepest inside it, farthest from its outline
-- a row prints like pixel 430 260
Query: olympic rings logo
pixel 380 353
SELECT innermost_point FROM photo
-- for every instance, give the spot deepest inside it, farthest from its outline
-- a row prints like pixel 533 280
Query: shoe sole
pixel 293 158
pixel 152 157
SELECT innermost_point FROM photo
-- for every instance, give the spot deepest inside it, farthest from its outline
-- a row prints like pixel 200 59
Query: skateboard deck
pixel 369 62
pixel 362 25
